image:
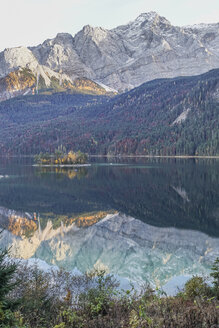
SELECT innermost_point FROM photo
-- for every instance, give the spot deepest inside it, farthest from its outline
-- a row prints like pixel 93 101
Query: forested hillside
pixel 163 117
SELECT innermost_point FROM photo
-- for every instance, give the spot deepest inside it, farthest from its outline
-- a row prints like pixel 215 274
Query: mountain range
pixel 110 60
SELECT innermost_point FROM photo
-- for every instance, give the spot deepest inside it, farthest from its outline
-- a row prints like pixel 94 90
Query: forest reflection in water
pixel 165 193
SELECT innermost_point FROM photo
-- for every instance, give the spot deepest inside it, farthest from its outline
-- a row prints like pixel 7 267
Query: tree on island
pixel 61 157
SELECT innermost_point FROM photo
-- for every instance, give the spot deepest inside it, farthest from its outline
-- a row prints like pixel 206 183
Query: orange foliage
pixel 21 225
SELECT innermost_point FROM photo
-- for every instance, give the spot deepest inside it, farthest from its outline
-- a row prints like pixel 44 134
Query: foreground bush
pixel 61 300
pixel 197 287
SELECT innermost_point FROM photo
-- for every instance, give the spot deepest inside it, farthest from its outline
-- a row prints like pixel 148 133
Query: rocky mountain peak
pixel 14 58
pixel 87 29
pixel 63 38
pixel 149 16
pixel 96 33
pixel 152 19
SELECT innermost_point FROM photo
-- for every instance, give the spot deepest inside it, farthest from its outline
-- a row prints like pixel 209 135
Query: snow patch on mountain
pixel 108 89
pixel 182 117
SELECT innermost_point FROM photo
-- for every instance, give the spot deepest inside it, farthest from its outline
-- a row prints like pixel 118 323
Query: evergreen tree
pixel 215 276
pixel 7 271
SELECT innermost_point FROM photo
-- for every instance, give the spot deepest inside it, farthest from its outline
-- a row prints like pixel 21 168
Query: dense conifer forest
pixel 177 116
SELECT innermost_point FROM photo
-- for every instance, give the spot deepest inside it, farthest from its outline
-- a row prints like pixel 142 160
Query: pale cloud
pixel 209 18
pixel 29 22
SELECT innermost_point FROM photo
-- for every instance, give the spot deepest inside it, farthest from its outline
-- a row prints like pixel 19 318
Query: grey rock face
pixel 59 54
pixel 126 56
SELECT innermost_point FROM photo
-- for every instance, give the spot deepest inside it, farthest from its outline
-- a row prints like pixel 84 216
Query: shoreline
pixel 61 165
pixel 127 156
pixel 155 156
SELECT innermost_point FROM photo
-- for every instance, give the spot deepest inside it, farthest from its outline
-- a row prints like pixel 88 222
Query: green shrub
pixel 69 319
pixel 98 299
pixel 196 287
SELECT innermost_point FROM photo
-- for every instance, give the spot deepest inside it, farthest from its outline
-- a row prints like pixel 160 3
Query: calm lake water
pixel 162 223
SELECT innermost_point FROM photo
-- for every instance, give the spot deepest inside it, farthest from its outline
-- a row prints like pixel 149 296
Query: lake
pixel 146 220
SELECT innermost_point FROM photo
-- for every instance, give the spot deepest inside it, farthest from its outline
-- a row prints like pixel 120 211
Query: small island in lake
pixel 61 157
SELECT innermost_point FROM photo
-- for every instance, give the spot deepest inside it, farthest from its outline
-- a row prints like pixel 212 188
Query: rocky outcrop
pixel 19 82
pixel 22 74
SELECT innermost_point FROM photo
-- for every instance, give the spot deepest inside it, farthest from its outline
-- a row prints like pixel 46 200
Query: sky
pixel 30 22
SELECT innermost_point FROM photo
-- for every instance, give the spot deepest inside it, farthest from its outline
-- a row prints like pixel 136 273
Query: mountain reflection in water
pixel 121 245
